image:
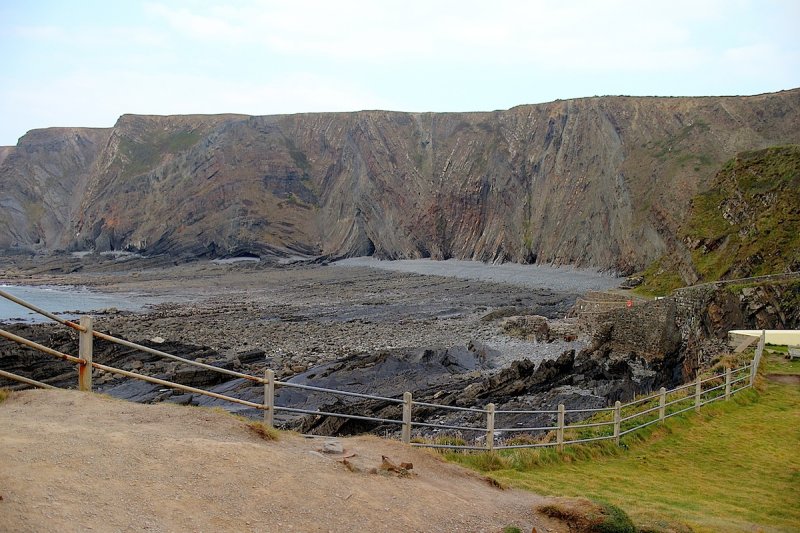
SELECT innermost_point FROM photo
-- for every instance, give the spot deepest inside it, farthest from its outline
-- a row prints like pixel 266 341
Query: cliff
pixel 41 182
pixel 747 223
pixel 603 182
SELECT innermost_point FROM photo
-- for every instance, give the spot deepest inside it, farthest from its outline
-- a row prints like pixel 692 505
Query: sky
pixel 85 63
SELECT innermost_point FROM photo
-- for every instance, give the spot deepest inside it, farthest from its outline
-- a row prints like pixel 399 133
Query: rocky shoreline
pixel 306 315
pixel 448 341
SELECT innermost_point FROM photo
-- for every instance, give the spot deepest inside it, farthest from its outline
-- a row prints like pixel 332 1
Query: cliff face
pixel 41 182
pixel 746 223
pixel 5 151
pixel 598 181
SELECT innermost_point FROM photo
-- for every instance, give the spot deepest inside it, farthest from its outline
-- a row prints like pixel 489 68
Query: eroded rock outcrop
pixel 706 313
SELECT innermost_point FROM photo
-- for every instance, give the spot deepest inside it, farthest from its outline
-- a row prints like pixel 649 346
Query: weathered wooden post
pixel 698 391
pixel 662 404
pixel 560 430
pixel 269 398
pixel 85 339
pixel 757 359
pixel 490 427
pixel 617 420
pixel 407 403
pixel 728 383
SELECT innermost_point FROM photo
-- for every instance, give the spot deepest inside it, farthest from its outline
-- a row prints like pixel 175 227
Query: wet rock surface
pixel 586 380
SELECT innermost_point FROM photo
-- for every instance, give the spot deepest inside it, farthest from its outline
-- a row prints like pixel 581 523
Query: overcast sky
pixel 82 63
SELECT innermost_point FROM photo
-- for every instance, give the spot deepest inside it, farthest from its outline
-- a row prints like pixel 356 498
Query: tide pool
pixel 73 301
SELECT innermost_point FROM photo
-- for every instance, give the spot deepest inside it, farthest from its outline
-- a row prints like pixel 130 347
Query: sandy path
pixel 71 461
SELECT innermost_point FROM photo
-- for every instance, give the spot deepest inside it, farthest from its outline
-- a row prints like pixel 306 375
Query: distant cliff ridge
pixel 602 182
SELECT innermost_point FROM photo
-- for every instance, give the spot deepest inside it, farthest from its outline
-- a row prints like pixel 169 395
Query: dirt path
pixel 786 379
pixel 72 461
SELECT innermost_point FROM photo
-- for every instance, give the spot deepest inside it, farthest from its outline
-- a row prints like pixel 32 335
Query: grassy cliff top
pixel 746 224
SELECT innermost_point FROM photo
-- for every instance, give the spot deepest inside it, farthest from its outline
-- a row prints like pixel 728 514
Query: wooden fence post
pixel 728 383
pixel 560 430
pixel 85 340
pixel 662 404
pixel 698 390
pixel 617 420
pixel 269 398
pixel 407 403
pixel 490 427
pixel 757 359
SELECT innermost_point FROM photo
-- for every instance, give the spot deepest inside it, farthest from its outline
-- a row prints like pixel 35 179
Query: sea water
pixel 66 302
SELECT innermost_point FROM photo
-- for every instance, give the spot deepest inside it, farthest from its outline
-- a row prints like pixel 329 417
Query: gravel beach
pixel 303 315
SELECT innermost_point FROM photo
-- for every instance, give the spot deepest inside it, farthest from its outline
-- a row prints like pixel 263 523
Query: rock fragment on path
pixel 388 466
pixel 333 447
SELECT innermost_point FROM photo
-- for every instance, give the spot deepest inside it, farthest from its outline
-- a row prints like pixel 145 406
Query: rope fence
pixel 605 423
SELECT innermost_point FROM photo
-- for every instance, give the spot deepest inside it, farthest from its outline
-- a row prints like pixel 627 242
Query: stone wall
pixel 647 327
pixel 598 302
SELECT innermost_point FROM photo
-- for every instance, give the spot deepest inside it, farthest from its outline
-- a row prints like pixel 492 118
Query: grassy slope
pixel 141 157
pixel 760 192
pixel 733 467
pixel 767 237
pixel 780 365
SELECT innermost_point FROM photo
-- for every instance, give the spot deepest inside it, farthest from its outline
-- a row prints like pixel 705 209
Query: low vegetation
pixel 140 156
pixel 746 224
pixel 780 363
pixel 264 431
pixel 732 467
pixel 588 515
pixel 660 279
pixel 4 393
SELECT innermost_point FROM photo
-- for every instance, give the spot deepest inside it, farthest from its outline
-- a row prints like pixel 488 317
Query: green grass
pixel 143 156
pixel 659 280
pixel 746 223
pixel 4 393
pixel 735 466
pixel 777 348
pixel 778 364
